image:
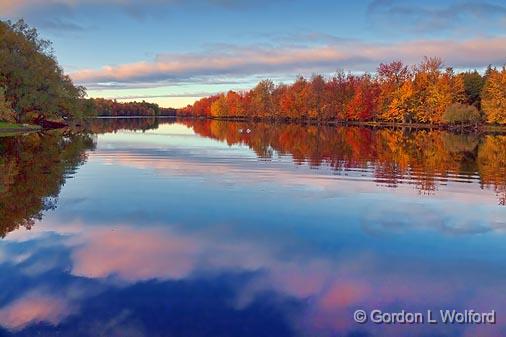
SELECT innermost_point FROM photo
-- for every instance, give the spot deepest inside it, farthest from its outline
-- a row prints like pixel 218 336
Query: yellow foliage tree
pixel 219 108
pixel 401 106
pixel 494 97
pixel 435 91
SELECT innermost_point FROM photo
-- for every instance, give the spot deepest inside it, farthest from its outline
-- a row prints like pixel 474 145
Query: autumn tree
pixel 494 96
pixel 219 107
pixel 341 88
pixel 363 105
pixel 235 105
pixel 316 97
pixel 300 91
pixel 261 99
pixel 396 92
pixel 435 90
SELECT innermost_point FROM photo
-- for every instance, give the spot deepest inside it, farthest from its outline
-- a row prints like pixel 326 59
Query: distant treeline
pixel 33 86
pixel 113 108
pixel 396 93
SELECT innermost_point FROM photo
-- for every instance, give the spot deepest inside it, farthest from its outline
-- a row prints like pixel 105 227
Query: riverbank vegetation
pixel 33 87
pixel 426 93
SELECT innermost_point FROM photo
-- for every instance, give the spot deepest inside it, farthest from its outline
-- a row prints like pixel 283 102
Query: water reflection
pixel 104 125
pixel 426 158
pixel 181 230
pixel 34 167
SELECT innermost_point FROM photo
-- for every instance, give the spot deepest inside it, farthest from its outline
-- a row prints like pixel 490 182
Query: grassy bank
pixel 11 129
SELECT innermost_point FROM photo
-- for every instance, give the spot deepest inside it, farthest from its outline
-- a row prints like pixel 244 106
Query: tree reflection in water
pixel 34 167
pixel 425 158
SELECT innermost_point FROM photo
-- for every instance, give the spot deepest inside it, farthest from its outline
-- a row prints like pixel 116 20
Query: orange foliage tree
pixel 396 93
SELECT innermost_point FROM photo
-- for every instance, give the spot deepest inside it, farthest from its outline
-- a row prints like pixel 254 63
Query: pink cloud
pixel 134 254
pixel 244 61
pixel 33 308
pixel 332 288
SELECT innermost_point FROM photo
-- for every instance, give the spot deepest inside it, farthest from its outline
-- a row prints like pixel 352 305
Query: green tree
pixel 34 83
pixel 473 85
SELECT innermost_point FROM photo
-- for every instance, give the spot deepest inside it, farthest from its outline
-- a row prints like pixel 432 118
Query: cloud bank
pixel 243 61
pixel 9 7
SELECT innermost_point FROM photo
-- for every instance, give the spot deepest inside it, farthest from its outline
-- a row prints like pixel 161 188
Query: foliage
pixel 35 85
pixel 113 108
pixel 219 108
pixel 6 113
pixel 458 113
pixel 494 96
pixel 473 85
pixel 396 93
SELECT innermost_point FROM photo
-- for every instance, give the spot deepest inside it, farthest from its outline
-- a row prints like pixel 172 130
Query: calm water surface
pixel 227 229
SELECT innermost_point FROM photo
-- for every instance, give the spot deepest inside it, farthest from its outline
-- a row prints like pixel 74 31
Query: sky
pixel 173 52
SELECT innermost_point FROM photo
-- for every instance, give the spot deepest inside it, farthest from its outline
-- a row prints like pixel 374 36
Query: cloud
pixel 243 61
pixel 60 25
pixel 183 95
pixel 136 8
pixel 124 252
pixel 394 14
pixel 9 7
pixel 33 308
pixel 215 80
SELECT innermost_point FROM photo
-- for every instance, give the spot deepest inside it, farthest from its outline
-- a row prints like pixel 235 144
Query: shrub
pixel 462 114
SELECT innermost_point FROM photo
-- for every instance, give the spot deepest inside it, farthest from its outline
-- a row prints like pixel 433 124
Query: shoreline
pixel 479 128
pixel 132 117
pixel 11 129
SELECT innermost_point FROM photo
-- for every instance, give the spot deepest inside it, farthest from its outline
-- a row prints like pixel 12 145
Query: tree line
pixel 396 93
pixel 113 108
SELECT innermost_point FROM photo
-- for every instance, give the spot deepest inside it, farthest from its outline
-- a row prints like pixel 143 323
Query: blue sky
pixel 174 51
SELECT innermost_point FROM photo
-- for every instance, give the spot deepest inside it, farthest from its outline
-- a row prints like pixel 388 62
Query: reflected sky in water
pixel 169 233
